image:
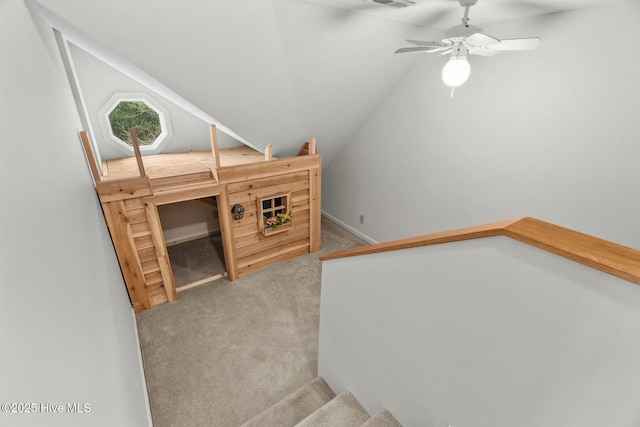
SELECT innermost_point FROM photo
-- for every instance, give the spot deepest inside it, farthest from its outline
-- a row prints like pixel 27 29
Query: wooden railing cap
pixel 617 260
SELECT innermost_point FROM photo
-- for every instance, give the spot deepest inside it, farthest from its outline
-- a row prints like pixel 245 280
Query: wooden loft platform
pixel 163 171
pixel 159 166
pixel 172 172
pixel 173 164
pixel 166 171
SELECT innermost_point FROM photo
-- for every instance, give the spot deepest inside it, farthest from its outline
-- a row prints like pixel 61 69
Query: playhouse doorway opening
pixel 194 243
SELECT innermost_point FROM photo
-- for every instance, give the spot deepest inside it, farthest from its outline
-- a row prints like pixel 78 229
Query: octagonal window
pixel 139 116
pixel 138 111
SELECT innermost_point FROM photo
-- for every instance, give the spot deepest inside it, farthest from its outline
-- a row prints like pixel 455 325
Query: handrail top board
pixel 612 258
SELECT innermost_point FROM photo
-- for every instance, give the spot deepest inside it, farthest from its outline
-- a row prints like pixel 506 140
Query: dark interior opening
pixel 194 242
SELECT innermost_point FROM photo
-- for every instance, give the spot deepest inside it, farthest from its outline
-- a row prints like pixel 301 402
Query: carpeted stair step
pixel 344 411
pixel 382 418
pixel 295 407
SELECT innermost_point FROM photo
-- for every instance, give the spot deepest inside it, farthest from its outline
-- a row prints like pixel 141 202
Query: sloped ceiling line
pixel 276 71
pixel 77 37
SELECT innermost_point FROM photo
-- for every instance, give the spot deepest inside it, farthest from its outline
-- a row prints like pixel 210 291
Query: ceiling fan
pixel 465 39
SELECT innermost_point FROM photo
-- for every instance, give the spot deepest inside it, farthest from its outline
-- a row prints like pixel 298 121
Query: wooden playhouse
pixel 248 186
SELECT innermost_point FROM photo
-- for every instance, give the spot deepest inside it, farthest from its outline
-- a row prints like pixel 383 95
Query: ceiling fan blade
pixel 481 51
pixel 445 52
pixel 480 40
pixel 417 50
pixel 429 44
pixel 529 43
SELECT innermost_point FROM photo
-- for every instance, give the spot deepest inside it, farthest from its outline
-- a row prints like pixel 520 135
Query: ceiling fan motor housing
pixel 394 3
pixel 460 32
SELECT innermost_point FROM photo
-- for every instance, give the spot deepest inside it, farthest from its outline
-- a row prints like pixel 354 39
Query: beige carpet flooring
pixel 225 350
pixel 196 259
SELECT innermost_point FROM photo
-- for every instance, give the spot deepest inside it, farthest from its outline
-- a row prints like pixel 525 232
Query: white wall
pixel 482 333
pixel 99 82
pixel 187 220
pixel 551 133
pixel 277 71
pixel 67 329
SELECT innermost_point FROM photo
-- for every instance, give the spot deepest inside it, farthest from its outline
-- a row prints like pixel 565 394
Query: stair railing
pixel 612 258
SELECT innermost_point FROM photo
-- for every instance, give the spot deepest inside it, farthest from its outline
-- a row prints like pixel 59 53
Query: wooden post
pixel 213 133
pixel 136 149
pixel 312 146
pixel 268 152
pixel 315 208
pixel 91 157
pixel 215 151
pixel 308 148
pixel 226 228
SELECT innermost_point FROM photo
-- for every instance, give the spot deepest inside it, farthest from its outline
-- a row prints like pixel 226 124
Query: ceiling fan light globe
pixel 456 72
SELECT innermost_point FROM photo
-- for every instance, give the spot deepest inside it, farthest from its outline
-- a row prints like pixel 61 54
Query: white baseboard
pixel 349 228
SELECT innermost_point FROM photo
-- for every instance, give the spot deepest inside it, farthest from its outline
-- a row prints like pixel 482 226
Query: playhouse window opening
pixel 126 111
pixel 271 207
pixel 139 116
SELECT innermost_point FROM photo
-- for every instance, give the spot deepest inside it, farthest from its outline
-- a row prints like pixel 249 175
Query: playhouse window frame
pixel 163 116
pixel 272 205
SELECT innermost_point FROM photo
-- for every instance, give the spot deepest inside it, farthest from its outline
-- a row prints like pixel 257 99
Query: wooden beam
pixel 91 157
pixel 226 230
pixel 184 194
pixel 120 189
pixel 265 169
pixel 201 282
pixel 315 209
pixel 136 149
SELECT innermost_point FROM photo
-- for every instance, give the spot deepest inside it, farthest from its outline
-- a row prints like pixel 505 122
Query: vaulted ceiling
pixel 278 71
pixel 446 13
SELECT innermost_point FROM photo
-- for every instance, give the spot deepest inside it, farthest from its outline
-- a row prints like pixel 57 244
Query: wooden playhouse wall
pixel 301 177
